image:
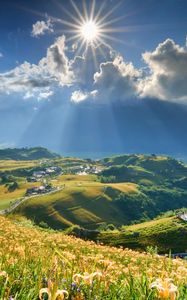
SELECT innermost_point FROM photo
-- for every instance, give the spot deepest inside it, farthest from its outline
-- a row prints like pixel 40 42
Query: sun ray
pixel 65 22
pixel 104 25
pixel 94 57
pixel 101 20
pixel 91 27
pixel 101 51
pixel 76 20
pixel 77 11
pixel 85 11
pixel 72 38
pixel 111 38
pixel 97 16
pixel 78 52
pixel 103 42
pixel 92 10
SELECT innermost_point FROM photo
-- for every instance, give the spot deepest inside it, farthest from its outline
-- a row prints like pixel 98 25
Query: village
pixel 44 175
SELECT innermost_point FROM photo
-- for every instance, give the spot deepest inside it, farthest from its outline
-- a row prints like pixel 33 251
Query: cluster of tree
pixel 12 186
pixel 108 179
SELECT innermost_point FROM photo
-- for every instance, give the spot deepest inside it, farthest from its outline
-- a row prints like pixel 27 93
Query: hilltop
pixel 26 154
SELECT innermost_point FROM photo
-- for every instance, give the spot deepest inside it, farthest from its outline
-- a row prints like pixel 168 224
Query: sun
pixel 90 26
pixel 89 31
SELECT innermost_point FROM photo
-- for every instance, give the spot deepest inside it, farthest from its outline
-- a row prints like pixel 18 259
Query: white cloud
pixel 57 64
pixel 167 79
pixel 41 27
pixel 84 66
pixel 79 96
pixel 45 95
pixel 39 95
pixel 164 76
pixel 1 54
pixel 32 79
pixel 117 80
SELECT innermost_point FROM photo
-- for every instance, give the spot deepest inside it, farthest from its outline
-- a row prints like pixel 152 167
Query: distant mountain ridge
pixel 27 153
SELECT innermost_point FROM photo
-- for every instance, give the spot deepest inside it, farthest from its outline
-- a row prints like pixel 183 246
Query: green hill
pixel 128 189
pixel 83 201
pixel 26 154
pixel 150 167
pixel 166 234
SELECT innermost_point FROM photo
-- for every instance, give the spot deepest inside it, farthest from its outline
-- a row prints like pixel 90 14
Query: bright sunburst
pixel 90 26
pixel 90 31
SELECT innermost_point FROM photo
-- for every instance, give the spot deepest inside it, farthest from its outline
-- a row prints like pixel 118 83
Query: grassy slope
pixel 31 257
pixel 166 233
pixel 83 201
pixel 7 197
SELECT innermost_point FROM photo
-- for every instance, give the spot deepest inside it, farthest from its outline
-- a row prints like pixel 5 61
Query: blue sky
pixel 123 91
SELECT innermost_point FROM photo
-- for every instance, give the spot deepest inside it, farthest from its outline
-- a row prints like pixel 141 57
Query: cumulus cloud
pixel 113 79
pixel 42 27
pixel 57 64
pixel 117 80
pixel 53 69
pixel 79 96
pixel 168 72
pixel 85 66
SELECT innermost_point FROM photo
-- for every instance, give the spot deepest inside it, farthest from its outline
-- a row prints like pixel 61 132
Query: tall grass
pixel 36 264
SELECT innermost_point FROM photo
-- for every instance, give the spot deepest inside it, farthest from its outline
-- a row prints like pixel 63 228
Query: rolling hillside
pixel 127 189
pixel 83 201
pixel 26 154
pixel 165 234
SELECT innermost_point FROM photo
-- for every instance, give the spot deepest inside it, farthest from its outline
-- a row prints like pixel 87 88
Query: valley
pixel 107 196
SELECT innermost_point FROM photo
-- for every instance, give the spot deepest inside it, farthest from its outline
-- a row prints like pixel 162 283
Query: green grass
pixel 83 201
pixel 166 234
pixel 6 197
pixel 32 260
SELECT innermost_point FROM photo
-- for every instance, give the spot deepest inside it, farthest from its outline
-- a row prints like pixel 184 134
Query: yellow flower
pixel 166 289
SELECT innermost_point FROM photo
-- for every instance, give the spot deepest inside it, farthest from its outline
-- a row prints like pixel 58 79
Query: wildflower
pixel 87 278
pixel 166 289
pixel 52 292
pixel 4 274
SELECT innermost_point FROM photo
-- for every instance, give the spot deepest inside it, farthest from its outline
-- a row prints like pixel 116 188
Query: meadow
pixel 40 264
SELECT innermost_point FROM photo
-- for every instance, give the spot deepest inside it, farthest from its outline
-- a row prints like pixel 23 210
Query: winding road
pixel 19 201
